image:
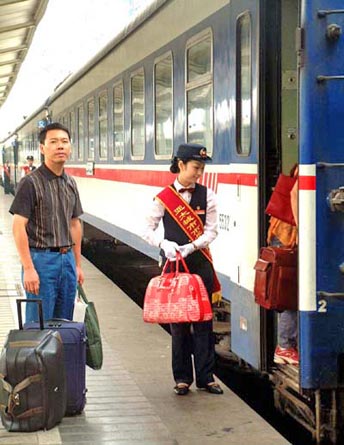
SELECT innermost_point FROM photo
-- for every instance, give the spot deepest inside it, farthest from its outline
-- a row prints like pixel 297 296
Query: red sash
pixel 191 224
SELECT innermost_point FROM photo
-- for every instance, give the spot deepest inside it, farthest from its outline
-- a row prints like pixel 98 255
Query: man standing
pixel 47 229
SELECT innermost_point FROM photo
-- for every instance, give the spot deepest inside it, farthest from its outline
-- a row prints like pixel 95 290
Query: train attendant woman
pixel 188 211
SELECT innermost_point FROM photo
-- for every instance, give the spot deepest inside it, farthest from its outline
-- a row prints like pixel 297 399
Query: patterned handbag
pixel 176 297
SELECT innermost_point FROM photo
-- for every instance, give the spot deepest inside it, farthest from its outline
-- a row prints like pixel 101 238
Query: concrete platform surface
pixel 130 401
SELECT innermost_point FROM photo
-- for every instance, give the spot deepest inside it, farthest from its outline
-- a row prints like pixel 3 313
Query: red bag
pixel 275 285
pixel 176 297
pixel 279 205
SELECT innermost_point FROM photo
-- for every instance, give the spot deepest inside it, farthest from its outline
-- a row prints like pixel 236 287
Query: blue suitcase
pixel 73 336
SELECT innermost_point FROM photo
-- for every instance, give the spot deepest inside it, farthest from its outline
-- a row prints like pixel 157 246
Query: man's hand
pixel 31 281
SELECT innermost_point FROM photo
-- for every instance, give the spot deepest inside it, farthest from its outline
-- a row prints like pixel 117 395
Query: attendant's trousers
pixel 195 339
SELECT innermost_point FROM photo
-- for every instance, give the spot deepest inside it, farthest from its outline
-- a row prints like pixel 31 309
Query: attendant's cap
pixel 196 152
pixel 29 158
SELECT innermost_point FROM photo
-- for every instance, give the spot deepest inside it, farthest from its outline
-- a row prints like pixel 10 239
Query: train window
pixel 244 85
pixel 103 125
pixel 199 89
pixel 163 92
pixel 72 130
pixel 90 128
pixel 81 132
pixel 199 58
pixel 138 114
pixel 64 120
pixel 118 121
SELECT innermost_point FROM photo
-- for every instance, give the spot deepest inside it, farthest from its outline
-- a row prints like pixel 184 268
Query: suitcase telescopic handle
pixel 40 311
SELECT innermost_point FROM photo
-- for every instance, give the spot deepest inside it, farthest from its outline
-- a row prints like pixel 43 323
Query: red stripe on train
pixel 158 178
pixel 307 182
pixel 161 178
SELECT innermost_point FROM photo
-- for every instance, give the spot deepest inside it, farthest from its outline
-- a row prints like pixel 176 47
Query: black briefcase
pixel 32 377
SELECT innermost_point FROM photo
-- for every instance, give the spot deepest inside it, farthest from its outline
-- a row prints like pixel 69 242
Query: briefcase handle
pixel 40 310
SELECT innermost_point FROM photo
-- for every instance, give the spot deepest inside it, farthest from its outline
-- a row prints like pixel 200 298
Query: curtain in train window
pixel 244 85
pixel 163 90
pixel 81 132
pixel 137 115
pixel 103 125
pixel 90 128
pixel 72 132
pixel 199 90
pixel 118 121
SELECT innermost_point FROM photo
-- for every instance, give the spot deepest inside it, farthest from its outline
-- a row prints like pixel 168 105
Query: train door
pixel 280 143
pixel 243 195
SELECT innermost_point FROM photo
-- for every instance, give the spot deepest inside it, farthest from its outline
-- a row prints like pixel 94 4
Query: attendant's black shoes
pixel 181 389
pixel 213 388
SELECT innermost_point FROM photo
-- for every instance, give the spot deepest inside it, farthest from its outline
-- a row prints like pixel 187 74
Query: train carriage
pixel 260 84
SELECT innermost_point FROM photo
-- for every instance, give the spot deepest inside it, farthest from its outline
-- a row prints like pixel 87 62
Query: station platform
pixel 130 401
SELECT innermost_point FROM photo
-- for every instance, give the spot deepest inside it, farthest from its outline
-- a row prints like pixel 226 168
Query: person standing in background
pixel 26 169
pixel 47 229
pixel 283 234
pixel 7 178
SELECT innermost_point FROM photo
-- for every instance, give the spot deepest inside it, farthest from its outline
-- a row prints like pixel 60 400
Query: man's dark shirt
pixel 49 202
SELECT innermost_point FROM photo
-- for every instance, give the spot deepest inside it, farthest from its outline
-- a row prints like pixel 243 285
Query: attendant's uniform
pixel 26 169
pixel 190 338
pixel 50 202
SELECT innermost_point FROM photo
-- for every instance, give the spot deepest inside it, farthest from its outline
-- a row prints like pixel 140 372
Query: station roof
pixel 18 22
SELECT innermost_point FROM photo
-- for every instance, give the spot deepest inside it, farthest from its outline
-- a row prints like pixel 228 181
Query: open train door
pixel 321 194
pixel 244 35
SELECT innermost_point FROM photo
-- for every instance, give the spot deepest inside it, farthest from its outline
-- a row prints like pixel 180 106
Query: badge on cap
pixel 203 153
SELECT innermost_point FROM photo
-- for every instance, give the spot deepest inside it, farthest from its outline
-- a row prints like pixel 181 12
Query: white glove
pixel 170 248
pixel 186 249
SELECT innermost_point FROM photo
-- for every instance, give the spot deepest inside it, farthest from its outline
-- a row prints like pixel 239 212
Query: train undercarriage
pixel 319 411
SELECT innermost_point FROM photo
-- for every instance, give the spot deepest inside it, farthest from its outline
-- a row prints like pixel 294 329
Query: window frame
pixel 103 93
pixel 203 80
pixel 238 88
pixel 80 106
pixel 132 75
pixel 88 101
pixel 119 83
pixel 156 61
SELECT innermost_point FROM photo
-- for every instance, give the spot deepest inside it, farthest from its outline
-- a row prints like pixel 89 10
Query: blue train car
pixel 261 84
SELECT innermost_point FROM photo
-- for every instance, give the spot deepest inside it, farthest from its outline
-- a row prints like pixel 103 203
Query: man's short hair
pixel 29 158
pixel 52 126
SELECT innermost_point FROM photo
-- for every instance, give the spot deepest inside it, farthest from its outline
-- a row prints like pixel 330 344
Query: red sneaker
pixel 286 356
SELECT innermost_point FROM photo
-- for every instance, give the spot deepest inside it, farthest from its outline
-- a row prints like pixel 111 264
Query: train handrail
pixel 322 294
pixel 323 78
pixel 324 12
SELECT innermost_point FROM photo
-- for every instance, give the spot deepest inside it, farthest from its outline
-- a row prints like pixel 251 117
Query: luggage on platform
pixel 275 285
pixel 32 377
pixel 73 336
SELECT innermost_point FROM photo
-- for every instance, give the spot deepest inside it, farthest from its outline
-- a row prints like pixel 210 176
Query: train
pixel 260 83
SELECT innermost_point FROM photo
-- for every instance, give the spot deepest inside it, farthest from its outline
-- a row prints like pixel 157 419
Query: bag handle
pixel 81 294
pixel 179 259
pixel 37 301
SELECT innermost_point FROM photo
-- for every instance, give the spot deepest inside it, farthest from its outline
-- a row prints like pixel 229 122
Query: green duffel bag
pixel 94 348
